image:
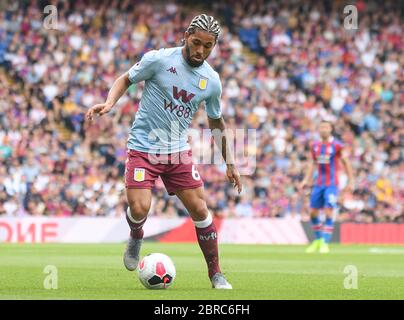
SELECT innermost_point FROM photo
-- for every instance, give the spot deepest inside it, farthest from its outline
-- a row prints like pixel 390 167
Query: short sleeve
pixel 313 154
pixel 213 108
pixel 339 147
pixel 145 68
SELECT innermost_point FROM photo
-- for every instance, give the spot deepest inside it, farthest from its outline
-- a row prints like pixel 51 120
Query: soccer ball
pixel 156 271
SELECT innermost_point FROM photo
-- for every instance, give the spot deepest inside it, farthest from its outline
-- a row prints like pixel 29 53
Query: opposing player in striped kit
pixel 326 155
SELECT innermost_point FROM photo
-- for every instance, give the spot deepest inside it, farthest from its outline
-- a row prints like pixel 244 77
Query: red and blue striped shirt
pixel 326 155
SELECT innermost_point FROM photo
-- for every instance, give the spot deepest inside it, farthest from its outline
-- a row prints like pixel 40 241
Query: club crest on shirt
pixel 139 174
pixel 203 83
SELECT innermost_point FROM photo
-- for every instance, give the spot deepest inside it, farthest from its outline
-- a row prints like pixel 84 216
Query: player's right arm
pixel 117 90
pixel 309 172
pixel 143 70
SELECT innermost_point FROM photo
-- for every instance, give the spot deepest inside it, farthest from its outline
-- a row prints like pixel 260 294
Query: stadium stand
pixel 284 67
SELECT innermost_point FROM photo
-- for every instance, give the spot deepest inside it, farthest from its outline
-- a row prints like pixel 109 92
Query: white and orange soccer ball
pixel 156 271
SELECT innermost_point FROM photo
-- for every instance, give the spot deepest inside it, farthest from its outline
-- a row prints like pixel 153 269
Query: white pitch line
pixel 388 251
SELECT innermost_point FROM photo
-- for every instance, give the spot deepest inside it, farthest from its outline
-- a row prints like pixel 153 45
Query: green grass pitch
pixel 96 271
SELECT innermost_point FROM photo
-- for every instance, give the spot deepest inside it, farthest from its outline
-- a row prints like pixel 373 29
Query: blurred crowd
pixel 284 66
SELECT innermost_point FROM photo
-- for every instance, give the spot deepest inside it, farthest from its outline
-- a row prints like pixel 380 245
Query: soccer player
pixel 177 80
pixel 326 154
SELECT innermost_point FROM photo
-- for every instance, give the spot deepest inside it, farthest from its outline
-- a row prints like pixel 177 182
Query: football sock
pixel 207 239
pixel 316 226
pixel 328 229
pixel 136 227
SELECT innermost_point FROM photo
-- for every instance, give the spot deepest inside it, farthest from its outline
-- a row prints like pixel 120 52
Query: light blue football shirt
pixel 172 94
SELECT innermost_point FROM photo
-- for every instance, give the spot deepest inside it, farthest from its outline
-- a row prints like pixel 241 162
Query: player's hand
pixel 303 185
pixel 350 186
pixel 234 177
pixel 99 109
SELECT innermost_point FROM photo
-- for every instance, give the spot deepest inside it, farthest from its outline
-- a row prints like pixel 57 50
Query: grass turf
pixel 87 271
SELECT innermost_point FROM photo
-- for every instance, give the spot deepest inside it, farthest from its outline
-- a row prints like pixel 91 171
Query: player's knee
pixel 200 211
pixel 139 209
pixel 329 213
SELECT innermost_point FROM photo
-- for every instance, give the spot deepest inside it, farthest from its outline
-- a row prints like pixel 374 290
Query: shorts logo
pixel 139 174
pixel 203 83
pixel 332 199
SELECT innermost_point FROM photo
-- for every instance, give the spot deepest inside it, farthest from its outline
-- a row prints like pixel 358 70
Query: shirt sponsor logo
pixel 323 159
pixel 183 94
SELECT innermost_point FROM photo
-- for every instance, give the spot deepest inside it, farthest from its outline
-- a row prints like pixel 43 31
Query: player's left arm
pixel 348 169
pixel 219 132
pixel 218 127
